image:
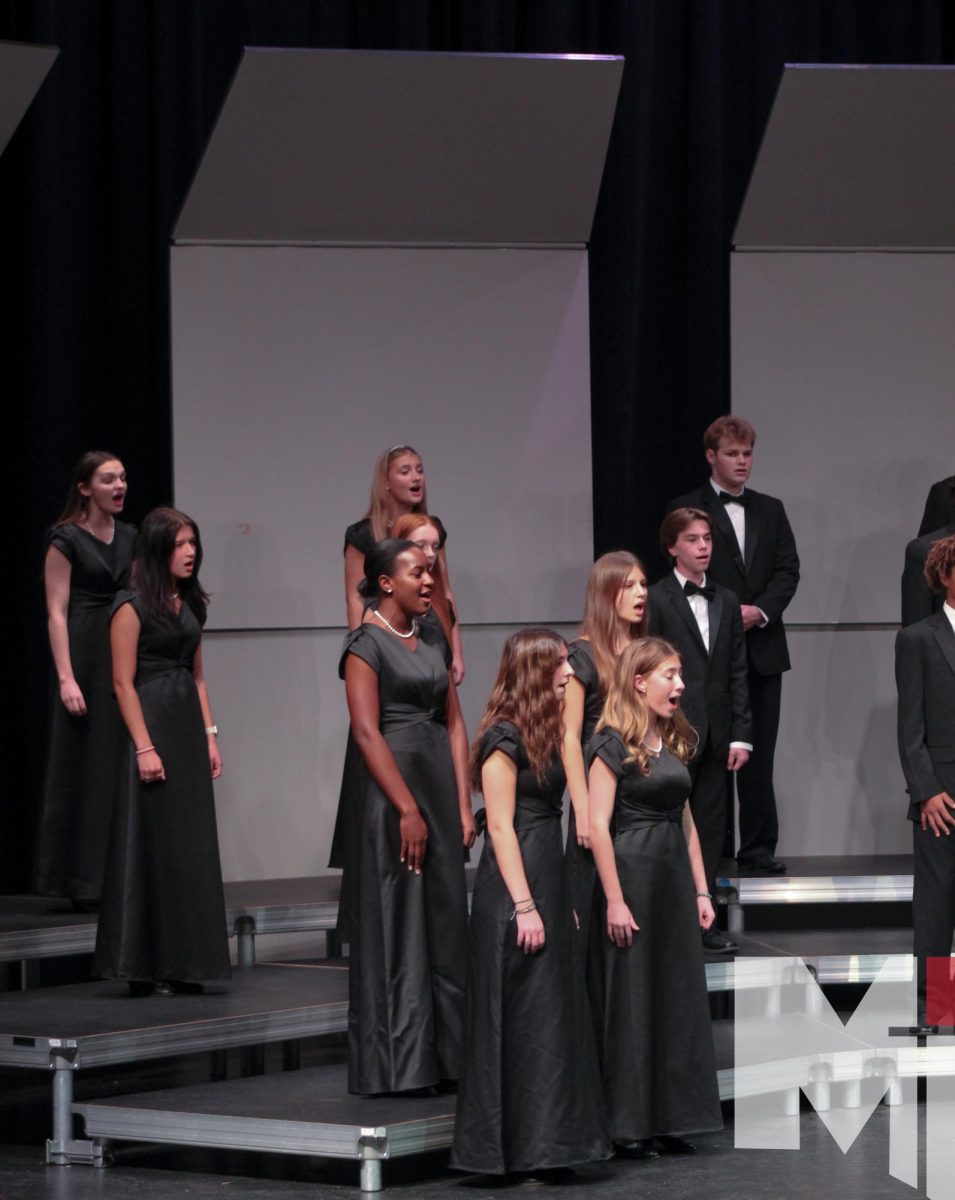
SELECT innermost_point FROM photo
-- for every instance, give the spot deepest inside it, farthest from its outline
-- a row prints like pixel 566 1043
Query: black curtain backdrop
pixel 93 179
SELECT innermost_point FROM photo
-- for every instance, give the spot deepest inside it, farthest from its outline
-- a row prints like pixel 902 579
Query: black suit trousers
pixel 709 806
pixel 933 901
pixel 758 822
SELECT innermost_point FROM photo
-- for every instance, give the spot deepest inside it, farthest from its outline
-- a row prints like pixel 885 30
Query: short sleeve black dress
pixel 360 538
pixel 84 751
pixel 407 932
pixel 583 873
pixel 163 911
pixel 657 1058
pixel 529 1095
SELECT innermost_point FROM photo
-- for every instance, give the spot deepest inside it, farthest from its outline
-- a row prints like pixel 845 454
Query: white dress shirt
pixel 700 606
pixel 737 517
pixel 701 611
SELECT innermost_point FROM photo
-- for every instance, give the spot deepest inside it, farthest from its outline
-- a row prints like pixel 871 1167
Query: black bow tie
pixel 728 498
pixel 707 591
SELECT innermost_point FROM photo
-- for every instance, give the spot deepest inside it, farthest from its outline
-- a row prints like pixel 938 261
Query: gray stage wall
pixel 843 298
pixel 844 363
pixel 293 369
pixel 378 249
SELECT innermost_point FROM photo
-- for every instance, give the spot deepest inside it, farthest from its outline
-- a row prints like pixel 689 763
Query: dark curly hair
pixel 940 563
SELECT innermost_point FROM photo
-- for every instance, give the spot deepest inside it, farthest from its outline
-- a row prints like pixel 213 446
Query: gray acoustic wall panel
pixel 295 367
pixel 845 363
pixel 839 787
pixel 22 71
pixel 283 719
pixel 856 156
pixel 358 147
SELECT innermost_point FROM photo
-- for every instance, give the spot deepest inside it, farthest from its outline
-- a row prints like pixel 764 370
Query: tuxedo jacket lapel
pixel 752 535
pixel 717 510
pixel 682 606
pixel 716 616
pixel 945 636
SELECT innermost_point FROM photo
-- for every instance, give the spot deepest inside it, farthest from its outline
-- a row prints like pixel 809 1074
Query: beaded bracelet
pixel 145 750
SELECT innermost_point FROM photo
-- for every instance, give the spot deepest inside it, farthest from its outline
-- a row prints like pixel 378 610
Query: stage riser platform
pixel 283 906
pixel 311 1113
pixel 63 1030
pixel 304 1113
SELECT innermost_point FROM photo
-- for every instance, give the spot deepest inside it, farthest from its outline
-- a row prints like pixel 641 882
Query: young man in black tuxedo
pixel 754 555
pixel 939 506
pixel 702 620
pixel 918 599
pixel 925 679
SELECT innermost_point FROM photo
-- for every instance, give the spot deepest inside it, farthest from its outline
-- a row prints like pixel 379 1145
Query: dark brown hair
pixel 77 505
pixel 675 522
pixel 149 574
pixel 523 694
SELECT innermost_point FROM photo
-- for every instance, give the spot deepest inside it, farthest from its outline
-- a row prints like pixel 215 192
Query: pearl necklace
pixel 112 531
pixel 654 751
pixel 397 632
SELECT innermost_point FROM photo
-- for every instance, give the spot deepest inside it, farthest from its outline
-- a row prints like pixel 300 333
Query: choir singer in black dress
pixel 655 1041
pixel 162 924
pixel 615 612
pixel 529 1098
pixel 403 886
pixel 88 556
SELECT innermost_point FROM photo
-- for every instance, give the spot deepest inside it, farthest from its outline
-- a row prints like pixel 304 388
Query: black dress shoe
pixel 548 1175
pixel 765 865
pixel 674 1145
pixel 716 942
pixel 185 987
pixel 140 987
pixel 638 1148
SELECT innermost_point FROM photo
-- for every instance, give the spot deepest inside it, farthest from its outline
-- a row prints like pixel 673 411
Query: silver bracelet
pixel 212 729
pixel 704 895
pixel 523 907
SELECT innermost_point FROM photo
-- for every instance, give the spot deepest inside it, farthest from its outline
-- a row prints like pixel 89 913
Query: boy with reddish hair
pixel 754 555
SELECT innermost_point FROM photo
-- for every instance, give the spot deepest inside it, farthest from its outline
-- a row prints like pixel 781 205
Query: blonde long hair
pixel 378 505
pixel 626 711
pixel 523 694
pixel 602 625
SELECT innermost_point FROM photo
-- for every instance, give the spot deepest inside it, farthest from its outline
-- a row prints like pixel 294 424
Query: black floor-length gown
pixel 584 883
pixel 529 1095
pixel 163 911
pixel 360 537
pixel 656 1038
pixel 84 752
pixel 407 932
